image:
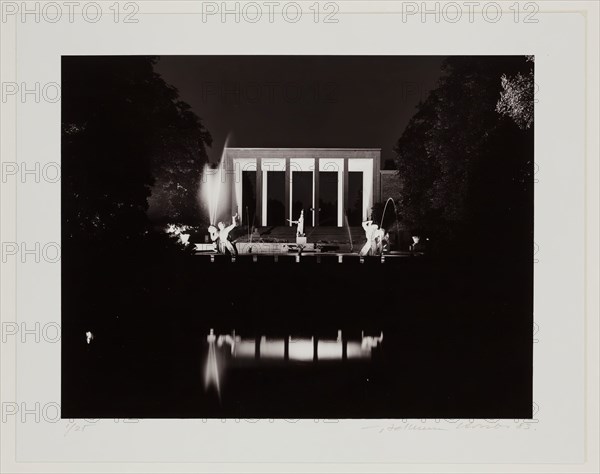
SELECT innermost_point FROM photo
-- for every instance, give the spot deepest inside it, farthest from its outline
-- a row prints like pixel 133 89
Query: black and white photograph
pixel 297 237
pixel 312 236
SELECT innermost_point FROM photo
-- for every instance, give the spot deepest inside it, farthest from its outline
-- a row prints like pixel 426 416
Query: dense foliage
pixel 125 135
pixel 465 166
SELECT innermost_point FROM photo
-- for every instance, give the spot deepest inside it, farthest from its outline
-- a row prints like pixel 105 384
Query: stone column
pixel 259 196
pixel 316 191
pixel 288 182
pixel 345 187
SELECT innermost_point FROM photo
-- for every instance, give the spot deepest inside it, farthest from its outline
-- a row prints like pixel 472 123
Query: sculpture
pixel 300 222
pixel 385 242
pixel 415 247
pixel 370 247
pixel 214 236
pixel 225 245
pixel 378 238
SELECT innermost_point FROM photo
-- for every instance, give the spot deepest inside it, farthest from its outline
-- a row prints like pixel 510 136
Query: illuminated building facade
pixel 268 186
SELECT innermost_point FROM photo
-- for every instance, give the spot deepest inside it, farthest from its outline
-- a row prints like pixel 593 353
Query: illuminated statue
pixel 370 247
pixel 225 245
pixel 378 238
pixel 214 236
pixel 385 246
pixel 300 222
pixel 416 246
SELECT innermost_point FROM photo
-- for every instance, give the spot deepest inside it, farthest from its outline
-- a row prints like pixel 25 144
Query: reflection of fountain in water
pixel 211 371
pixel 395 215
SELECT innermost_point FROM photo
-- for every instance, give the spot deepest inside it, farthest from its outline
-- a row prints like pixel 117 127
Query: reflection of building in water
pixel 299 349
pixel 331 349
pixel 272 348
pixel 289 349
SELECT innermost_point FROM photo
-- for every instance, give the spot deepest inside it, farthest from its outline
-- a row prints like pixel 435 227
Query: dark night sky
pixel 303 101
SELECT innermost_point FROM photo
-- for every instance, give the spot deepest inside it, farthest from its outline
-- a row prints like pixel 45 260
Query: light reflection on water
pixel 272 348
pixel 301 349
pixel 230 348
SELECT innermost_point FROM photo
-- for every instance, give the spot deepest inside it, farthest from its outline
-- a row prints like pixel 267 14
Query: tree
pixel 124 130
pixel 178 168
pixel 517 97
pixel 465 170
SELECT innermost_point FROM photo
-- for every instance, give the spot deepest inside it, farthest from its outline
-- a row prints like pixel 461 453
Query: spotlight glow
pixel 211 184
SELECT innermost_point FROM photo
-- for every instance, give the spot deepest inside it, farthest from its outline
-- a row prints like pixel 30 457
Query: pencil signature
pixel 445 425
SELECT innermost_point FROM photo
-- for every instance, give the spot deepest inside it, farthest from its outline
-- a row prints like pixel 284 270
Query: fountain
pixel 395 214
pixel 349 233
pixel 211 185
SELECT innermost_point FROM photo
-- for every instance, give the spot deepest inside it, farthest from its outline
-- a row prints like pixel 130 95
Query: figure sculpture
pixel 370 247
pixel 225 245
pixel 378 239
pixel 214 236
pixel 300 222
pixel 416 246
pixel 219 235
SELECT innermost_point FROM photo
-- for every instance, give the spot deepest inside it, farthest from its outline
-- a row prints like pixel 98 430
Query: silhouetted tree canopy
pixel 517 97
pixel 124 131
pixel 465 169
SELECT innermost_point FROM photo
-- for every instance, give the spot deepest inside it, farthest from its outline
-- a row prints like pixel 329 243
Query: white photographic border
pixel 562 437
